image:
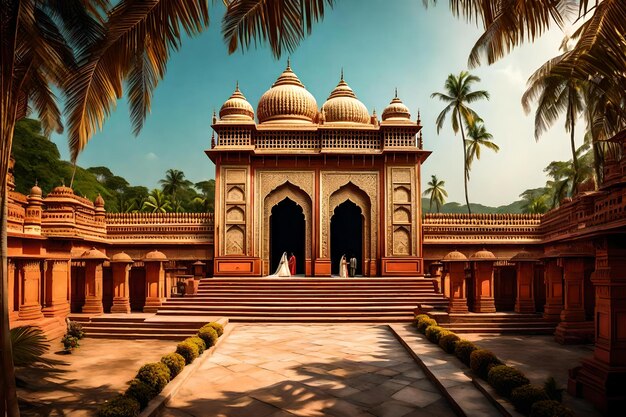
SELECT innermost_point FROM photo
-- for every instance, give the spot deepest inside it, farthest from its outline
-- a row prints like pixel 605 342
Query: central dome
pixel 343 106
pixel 287 101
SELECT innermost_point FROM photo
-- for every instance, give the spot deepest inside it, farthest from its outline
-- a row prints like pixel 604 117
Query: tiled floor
pixel 309 370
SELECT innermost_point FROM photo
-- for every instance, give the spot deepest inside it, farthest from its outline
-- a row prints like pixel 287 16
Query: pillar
pixel 120 268
pixel 93 287
pixel 155 281
pixel 30 301
pixel 525 301
pixel 57 276
pixel 602 378
pixel 573 328
pixel 553 278
pixel 484 301
pixel 13 293
pixel 458 294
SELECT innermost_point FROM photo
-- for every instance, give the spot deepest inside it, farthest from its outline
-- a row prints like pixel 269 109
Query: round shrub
pixel 140 391
pixel 155 374
pixel 448 342
pixel 464 349
pixel 188 350
pixel 481 361
pixel 120 406
pixel 550 408
pixel 434 333
pixel 174 362
pixel 505 379
pixel 425 323
pixel 219 329
pixel 525 396
pixel 197 341
pixel 209 335
pixel 419 317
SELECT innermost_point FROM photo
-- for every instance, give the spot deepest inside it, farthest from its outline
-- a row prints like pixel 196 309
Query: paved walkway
pixel 309 370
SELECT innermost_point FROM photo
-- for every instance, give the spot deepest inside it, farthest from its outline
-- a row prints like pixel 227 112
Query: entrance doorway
pixel 346 236
pixel 287 234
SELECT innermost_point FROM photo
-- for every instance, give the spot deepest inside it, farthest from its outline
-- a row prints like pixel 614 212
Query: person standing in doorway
pixel 352 266
pixel 292 264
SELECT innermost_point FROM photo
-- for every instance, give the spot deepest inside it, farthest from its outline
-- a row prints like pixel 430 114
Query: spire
pixel 237 86
pixel 213 139
pixel 214 117
pixel 288 63
pixel 419 117
pixel 396 93
pixel 341 73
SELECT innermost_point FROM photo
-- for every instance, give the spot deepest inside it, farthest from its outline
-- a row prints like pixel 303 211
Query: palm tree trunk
pixel 574 157
pixel 469 210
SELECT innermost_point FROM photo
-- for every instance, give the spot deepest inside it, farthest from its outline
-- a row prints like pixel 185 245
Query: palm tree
pixel 174 182
pixel 478 137
pixel 535 201
pixel 436 193
pixel 458 95
pixel 156 202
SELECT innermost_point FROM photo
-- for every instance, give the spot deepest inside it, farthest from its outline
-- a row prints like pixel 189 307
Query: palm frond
pixel 29 345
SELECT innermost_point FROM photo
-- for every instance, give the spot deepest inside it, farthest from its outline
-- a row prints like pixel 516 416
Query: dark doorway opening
pixel 287 234
pixel 346 236
pixel 137 288
pixel 77 289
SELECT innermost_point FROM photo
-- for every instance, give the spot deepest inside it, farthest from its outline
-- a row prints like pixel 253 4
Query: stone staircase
pixel 500 322
pixel 307 299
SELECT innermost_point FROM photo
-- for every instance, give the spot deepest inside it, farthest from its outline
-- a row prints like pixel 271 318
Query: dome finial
pixel 396 93
pixel 237 85
pixel 341 73
pixel 289 63
pixel 214 117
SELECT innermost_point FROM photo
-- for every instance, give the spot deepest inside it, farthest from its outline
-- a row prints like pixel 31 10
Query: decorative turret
pixel 342 106
pixel 99 208
pixel 32 218
pixel 237 108
pixel 396 110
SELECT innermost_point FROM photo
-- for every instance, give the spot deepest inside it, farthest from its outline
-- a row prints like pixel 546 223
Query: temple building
pixel 318 182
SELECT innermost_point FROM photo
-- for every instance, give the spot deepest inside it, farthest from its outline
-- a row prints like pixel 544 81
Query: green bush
pixel 188 350
pixel 198 342
pixel 75 329
pixel 209 335
pixel 155 374
pixel 553 390
pixel 434 333
pixel 69 342
pixel 505 379
pixel 219 329
pixel 448 342
pixel 140 391
pixel 481 361
pixel 425 323
pixel 464 349
pixel 550 408
pixel 120 406
pixel 418 317
pixel 174 362
pixel 525 396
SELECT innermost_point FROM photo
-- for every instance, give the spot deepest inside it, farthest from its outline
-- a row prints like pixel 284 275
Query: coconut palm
pixel 459 95
pixel 174 182
pixel 156 202
pixel 477 137
pixel 436 193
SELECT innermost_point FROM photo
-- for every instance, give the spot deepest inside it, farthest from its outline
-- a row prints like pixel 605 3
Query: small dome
pixel 121 257
pixel 524 256
pixel 454 256
pixel 396 110
pixel 93 254
pixel 343 106
pixel 99 201
pixel 62 189
pixel 287 101
pixel 237 107
pixel 483 255
pixel 155 255
pixel 36 191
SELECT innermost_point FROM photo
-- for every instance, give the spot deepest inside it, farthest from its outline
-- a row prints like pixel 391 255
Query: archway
pixel 346 235
pixel 287 233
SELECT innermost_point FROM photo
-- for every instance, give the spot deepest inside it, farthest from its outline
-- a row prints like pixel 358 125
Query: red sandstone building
pixel 323 183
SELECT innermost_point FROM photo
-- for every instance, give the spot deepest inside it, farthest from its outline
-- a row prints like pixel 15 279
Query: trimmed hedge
pixel 464 349
pixel 434 333
pixel 219 329
pixel 120 406
pixel 188 350
pixel 448 342
pixel 550 408
pixel 553 390
pixel 155 374
pixel 525 396
pixel 505 379
pixel 209 335
pixel 140 391
pixel 481 361
pixel 425 323
pixel 418 317
pixel 174 362
pixel 198 342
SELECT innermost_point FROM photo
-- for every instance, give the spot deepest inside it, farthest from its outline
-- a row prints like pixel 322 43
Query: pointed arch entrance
pixel 287 233
pixel 346 233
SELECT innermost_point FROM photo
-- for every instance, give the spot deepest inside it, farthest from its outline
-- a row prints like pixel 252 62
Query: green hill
pixel 453 207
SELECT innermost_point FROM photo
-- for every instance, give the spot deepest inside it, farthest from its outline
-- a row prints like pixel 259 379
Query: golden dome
pixel 155 256
pixel 237 107
pixel 287 101
pixel 121 257
pixel 343 106
pixel 99 202
pixel 454 256
pixel 36 191
pixel 483 255
pixel 396 110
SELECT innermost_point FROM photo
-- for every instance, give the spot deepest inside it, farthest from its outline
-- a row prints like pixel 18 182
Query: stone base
pixel 525 306
pixel 30 312
pixel 152 305
pixel 407 266
pixel 552 312
pixel 600 384
pixel 93 307
pixel 120 305
pixel 484 305
pixel 573 333
pixel 458 306
pixel 322 267
pixel 61 309
pixel 237 266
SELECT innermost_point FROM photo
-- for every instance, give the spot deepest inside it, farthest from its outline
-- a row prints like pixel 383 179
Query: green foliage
pixel 419 317
pixel 198 342
pixel 29 345
pixel 188 350
pixel 553 390
pixel 208 335
pixel 434 333
pixel 156 375
pixel 448 342
pixel 219 329
pixel 174 362
pixel 120 406
pixel 141 392
pixel 481 361
pixel 525 396
pixel 75 329
pixel 464 349
pixel 425 323
pixel 69 342
pixel 550 408
pixel 505 379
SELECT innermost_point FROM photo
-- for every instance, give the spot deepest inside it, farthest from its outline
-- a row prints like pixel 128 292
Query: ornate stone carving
pixel 401 242
pixel 401 206
pixel 234 241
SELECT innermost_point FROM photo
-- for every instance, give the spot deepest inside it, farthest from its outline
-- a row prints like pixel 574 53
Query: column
pixel 93 287
pixel 30 277
pixel 573 328
pixel 602 378
pixel 484 301
pixel 120 268
pixel 553 278
pixel 155 281
pixel 525 301
pixel 13 293
pixel 57 276
pixel 458 295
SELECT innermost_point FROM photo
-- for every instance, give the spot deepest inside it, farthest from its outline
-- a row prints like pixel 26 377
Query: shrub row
pixel 509 382
pixel 153 377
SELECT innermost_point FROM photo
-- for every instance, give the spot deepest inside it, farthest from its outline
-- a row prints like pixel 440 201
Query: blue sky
pixel 381 45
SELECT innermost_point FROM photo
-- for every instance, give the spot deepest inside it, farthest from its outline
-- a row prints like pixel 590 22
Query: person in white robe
pixel 283 268
pixel 343 267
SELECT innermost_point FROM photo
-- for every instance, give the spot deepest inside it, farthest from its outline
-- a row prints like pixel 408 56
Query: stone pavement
pixel 309 370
